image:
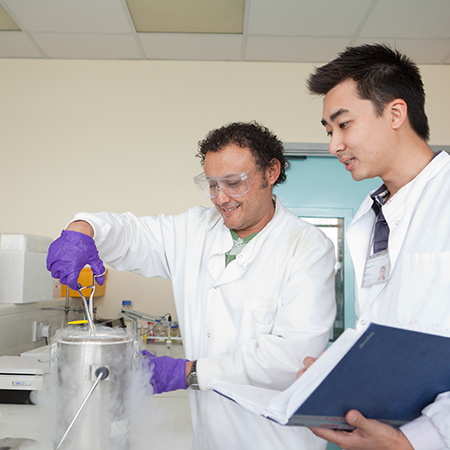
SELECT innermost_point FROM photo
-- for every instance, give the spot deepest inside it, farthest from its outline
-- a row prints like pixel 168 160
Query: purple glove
pixel 68 254
pixel 167 374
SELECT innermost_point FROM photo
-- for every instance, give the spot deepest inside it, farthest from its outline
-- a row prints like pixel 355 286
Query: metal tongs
pixel 90 309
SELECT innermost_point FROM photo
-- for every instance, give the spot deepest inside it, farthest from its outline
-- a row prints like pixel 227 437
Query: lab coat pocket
pixel 424 304
pixel 261 314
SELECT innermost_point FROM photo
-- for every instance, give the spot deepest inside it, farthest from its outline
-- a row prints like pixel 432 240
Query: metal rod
pixel 88 314
pixel 91 304
pixel 100 376
pixel 66 309
pixel 78 310
pixel 91 298
pixel 132 314
pixel 90 309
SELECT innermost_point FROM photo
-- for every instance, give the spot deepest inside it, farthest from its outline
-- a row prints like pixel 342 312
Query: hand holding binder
pixel 368 434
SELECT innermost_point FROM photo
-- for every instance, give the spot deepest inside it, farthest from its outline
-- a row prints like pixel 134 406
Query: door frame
pixel 349 276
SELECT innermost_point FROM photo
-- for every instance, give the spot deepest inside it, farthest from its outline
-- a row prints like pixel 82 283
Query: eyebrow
pixel 334 116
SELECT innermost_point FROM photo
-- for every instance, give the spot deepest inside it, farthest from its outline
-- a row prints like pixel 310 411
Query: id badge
pixel 377 270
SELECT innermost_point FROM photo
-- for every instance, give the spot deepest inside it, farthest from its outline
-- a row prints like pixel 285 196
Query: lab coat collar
pixel 397 212
pixel 430 171
pixel 224 242
pixel 416 186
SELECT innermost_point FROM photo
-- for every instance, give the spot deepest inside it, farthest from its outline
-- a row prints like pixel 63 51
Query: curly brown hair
pixel 263 144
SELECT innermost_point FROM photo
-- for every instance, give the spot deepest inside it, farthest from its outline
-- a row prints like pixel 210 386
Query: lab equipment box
pixel 24 277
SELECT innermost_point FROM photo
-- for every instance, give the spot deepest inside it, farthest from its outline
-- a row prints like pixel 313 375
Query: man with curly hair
pixel 253 285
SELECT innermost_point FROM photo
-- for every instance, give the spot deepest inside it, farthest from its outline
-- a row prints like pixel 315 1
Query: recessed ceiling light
pixel 188 16
pixel 6 23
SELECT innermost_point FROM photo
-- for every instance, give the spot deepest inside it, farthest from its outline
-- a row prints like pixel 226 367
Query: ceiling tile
pixel 200 47
pixel 406 19
pixel 71 16
pixel 188 16
pixel 293 49
pixel 15 44
pixel 274 30
pixel 307 17
pixel 88 46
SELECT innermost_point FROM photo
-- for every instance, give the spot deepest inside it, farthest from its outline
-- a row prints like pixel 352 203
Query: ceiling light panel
pixel 188 16
pixel 6 23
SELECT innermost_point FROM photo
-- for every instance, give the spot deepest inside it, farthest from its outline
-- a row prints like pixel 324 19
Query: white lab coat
pixel 251 322
pixel 417 295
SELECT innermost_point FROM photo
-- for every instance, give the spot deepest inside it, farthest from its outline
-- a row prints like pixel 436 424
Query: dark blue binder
pixel 389 374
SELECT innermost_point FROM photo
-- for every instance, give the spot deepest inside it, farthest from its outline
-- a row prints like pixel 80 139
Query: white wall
pixel 16 324
pixel 119 136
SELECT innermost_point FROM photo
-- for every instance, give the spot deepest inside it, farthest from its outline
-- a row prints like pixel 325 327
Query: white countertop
pixel 164 418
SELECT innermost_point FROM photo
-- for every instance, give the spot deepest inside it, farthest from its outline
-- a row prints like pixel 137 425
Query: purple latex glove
pixel 68 254
pixel 168 374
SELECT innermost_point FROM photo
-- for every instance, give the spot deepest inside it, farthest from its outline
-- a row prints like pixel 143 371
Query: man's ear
pixel 273 171
pixel 398 112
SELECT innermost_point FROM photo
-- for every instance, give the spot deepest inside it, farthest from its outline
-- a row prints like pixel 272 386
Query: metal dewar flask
pixel 105 420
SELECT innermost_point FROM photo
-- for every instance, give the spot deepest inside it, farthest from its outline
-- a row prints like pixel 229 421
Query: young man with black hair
pixel 374 114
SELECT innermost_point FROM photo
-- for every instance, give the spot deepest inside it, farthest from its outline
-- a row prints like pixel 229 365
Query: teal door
pixel 318 188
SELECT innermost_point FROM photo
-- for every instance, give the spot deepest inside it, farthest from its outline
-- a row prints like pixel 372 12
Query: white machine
pixel 20 375
pixel 24 277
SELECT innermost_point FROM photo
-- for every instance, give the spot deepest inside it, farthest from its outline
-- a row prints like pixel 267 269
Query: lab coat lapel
pixel 232 272
pixel 359 248
pixel 396 238
pixel 358 242
pixel 237 268
pixel 358 238
pixel 216 256
pixel 399 216
pixel 224 242
pixel 398 225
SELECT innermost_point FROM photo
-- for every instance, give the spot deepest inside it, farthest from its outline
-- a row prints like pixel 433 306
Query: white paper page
pixel 280 406
pixel 253 398
pixel 292 398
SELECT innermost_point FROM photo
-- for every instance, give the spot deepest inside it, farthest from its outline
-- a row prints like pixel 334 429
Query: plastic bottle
pixel 145 332
pixel 160 331
pixel 175 333
pixel 126 304
pixel 151 332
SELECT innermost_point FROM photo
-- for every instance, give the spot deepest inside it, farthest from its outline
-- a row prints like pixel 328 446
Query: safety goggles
pixel 232 184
